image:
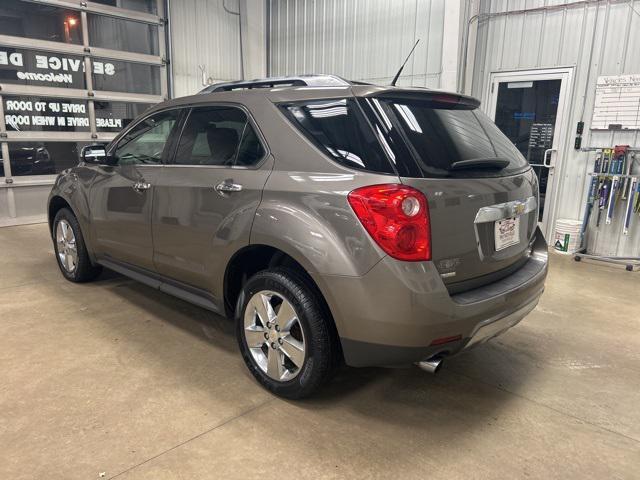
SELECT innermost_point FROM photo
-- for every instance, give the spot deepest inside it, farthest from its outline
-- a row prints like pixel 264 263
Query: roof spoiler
pixel 453 99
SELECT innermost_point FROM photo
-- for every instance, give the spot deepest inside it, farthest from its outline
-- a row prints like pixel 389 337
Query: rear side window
pixel 339 128
pixel 440 134
pixel 218 136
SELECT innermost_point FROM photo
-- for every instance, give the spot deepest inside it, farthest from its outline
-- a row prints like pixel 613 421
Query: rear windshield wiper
pixel 480 163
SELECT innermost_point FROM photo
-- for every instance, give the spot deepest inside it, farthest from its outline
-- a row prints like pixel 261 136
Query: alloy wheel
pixel 274 335
pixel 67 248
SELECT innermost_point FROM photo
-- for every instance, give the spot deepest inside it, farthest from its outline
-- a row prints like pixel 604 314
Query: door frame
pixel 565 74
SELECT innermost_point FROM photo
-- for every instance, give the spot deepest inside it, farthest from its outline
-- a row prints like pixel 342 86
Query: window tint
pixel 145 143
pixel 501 143
pixel 251 150
pixel 339 128
pixel 440 134
pixel 212 136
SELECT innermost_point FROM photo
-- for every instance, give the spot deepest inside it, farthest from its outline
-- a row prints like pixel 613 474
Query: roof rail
pixel 299 81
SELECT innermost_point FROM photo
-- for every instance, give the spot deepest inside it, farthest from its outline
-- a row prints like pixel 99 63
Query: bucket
pixel 568 236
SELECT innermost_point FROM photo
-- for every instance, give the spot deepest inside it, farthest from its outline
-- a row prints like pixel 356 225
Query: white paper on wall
pixel 617 102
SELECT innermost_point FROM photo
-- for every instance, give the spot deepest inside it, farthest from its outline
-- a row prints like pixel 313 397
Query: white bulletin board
pixel 617 103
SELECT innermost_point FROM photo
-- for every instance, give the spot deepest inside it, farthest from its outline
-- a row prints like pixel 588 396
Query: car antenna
pixel 395 79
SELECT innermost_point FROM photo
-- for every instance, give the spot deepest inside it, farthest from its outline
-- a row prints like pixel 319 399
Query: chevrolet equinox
pixel 335 221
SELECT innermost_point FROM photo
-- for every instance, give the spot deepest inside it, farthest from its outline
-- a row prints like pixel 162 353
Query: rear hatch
pixel 481 191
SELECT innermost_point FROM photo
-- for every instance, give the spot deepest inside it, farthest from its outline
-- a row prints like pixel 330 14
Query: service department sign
pixel 31 67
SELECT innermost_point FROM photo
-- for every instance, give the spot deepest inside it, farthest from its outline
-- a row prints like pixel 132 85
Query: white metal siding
pixel 203 33
pixel 358 39
pixel 561 38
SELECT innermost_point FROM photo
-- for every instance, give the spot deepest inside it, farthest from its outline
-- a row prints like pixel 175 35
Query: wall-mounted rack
pixel 595 149
pixel 612 185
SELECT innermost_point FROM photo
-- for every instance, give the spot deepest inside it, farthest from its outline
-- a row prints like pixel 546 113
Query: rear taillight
pixel 397 217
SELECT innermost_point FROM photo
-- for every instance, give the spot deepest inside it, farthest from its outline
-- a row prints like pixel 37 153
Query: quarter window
pixel 218 136
pixel 338 128
pixel 145 143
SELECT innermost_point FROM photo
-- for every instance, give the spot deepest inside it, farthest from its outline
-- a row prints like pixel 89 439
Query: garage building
pixel 557 396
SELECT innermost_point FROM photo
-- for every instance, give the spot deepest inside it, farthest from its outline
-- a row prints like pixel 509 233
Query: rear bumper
pixel 393 314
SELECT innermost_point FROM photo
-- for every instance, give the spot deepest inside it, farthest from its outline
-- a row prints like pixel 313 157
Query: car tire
pixel 70 249
pixel 310 325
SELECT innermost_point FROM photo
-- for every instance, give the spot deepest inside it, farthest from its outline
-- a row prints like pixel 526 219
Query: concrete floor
pixel 115 377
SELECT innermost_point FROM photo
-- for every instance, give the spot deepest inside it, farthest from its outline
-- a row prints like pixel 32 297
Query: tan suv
pixel 334 221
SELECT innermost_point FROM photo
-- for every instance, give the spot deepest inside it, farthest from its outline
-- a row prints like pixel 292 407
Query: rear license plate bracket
pixel 506 233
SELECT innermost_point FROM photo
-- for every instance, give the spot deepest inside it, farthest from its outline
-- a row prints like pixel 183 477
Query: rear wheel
pixel 284 333
pixel 71 251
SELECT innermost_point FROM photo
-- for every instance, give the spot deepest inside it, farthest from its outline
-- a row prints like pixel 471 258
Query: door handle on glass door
pixel 227 187
pixel 141 186
pixel 547 156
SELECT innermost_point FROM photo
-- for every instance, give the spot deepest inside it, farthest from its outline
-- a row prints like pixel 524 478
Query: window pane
pixel 119 34
pixel 33 67
pixel 42 22
pixel 444 133
pixel 45 114
pixel 148 6
pixel 338 128
pixel 114 116
pixel 211 136
pixel 251 150
pixel 42 158
pixel 129 77
pixel 146 142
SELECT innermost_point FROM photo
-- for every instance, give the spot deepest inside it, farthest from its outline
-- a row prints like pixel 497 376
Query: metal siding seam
pixel 625 44
pixel 426 65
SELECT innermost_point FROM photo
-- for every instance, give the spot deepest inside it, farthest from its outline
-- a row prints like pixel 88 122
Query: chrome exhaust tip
pixel 431 365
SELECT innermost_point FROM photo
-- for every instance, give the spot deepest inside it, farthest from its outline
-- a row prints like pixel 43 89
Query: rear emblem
pixel 447 267
pixel 518 208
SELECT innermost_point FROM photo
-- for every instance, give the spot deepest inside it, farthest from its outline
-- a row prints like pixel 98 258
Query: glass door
pixel 528 108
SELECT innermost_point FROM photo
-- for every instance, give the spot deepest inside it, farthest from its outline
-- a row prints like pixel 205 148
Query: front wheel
pixel 285 334
pixel 71 251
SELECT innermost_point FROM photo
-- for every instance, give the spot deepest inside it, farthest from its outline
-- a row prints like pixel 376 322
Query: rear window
pixel 439 134
pixel 339 128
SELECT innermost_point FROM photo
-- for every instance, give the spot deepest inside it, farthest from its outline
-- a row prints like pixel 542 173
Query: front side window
pixel 218 136
pixel 146 142
pixel 339 128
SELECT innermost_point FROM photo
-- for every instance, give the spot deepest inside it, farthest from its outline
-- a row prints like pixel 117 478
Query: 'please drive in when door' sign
pixel 617 104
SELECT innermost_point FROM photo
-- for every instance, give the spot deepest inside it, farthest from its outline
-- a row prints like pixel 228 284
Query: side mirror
pixel 94 154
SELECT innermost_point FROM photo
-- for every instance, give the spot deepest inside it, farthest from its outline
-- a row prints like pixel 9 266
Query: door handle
pixel 227 187
pixel 141 186
pixel 546 156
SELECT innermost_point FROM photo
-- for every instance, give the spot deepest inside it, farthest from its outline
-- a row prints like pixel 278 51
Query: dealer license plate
pixel 507 232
